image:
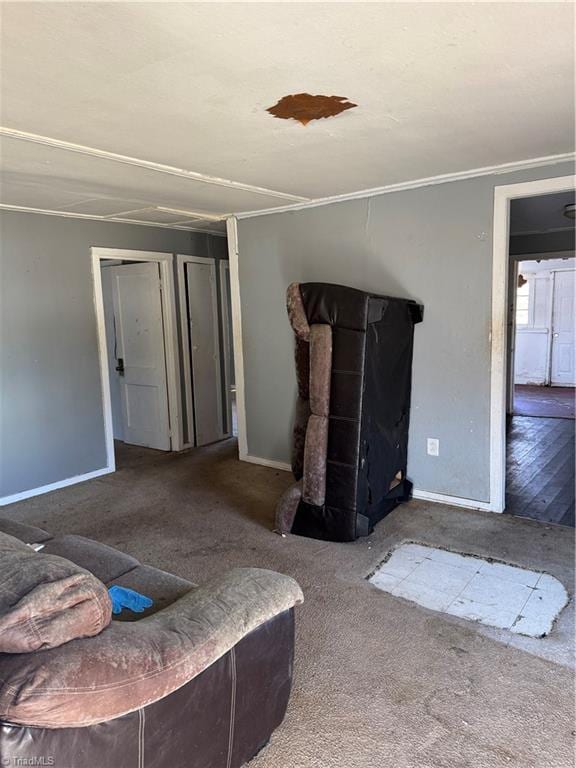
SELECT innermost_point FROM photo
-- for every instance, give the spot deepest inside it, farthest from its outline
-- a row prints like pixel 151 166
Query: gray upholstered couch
pixel 201 678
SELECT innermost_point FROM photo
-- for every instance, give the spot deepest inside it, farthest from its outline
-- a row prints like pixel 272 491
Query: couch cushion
pixel 29 534
pixel 320 369
pixel 315 449
pixel 287 507
pixel 46 601
pixel 296 312
pixel 104 562
pixel 164 589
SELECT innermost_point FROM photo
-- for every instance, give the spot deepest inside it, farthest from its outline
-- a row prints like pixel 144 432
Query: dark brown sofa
pixel 199 680
pixel 353 354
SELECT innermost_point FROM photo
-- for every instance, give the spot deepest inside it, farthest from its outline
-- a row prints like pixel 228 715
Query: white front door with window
pixel 562 362
pixel 140 355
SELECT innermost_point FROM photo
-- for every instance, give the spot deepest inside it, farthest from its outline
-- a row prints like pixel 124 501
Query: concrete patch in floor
pixel 499 595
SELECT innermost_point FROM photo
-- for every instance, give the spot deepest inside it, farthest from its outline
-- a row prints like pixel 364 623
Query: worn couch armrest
pixel 132 664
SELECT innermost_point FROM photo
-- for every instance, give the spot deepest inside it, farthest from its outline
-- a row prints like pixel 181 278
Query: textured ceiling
pixel 440 88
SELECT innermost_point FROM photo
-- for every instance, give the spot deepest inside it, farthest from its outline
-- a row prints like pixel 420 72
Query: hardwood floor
pixel 540 469
pixel 557 402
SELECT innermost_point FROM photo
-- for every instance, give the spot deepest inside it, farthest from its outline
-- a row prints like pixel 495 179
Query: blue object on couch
pixel 122 597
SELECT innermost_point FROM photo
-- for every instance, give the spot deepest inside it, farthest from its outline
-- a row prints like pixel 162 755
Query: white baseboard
pixel 267 462
pixel 54 486
pixel 454 501
pixel 439 498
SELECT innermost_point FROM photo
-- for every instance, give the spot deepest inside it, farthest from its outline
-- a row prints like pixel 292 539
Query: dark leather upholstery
pixel 221 719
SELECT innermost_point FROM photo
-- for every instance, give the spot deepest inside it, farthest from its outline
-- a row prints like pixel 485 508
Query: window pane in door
pixel 523 304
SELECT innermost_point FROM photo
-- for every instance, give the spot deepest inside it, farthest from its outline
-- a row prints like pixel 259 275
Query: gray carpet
pixel 379 682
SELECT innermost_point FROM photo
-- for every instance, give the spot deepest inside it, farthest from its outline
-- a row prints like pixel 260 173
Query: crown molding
pixel 491 170
pixel 149 165
pixel 190 214
pixel 115 219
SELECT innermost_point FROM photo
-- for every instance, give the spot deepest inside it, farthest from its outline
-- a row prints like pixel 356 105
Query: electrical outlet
pixel 433 446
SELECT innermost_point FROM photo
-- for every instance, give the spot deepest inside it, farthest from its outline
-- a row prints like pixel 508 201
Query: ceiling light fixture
pixel 570 211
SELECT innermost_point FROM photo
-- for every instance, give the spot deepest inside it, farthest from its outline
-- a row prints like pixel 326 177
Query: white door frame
pixel 181 261
pixel 165 260
pixel 500 270
pixel 233 260
pixel 223 267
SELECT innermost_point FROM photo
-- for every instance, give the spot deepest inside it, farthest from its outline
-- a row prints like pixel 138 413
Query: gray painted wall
pixel 433 244
pixel 51 419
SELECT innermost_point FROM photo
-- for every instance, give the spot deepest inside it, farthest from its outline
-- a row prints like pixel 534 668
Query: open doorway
pixel 139 361
pixel 541 377
pixel 208 356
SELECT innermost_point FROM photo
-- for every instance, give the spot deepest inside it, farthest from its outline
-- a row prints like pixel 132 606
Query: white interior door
pixel 140 354
pixel 562 359
pixel 204 347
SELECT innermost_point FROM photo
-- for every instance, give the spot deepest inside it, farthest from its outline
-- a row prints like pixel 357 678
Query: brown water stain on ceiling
pixel 305 107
